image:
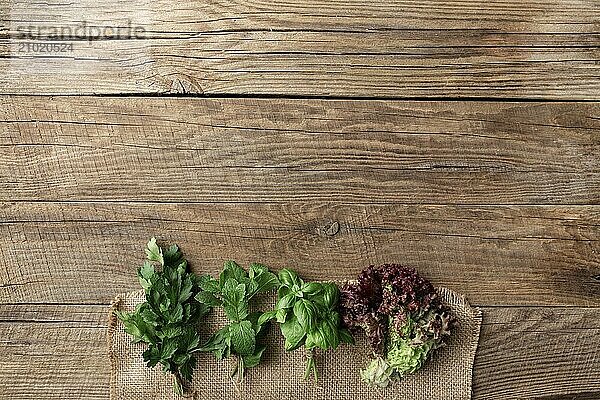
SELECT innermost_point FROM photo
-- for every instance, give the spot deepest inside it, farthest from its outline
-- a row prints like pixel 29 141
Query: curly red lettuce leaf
pixel 401 314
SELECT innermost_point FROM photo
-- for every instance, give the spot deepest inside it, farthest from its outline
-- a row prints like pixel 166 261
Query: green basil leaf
pixel 329 332
pixel 331 294
pixel 306 313
pixel 288 277
pixel 293 333
pixel 317 338
pixel 281 315
pixel 286 301
pixel 311 288
pixel 282 291
pixel 346 337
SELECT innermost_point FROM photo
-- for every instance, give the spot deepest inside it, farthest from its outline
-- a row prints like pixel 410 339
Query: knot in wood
pixel 332 228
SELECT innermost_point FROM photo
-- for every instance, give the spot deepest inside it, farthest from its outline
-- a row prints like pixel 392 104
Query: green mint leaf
pixel 234 289
pixel 209 284
pixel 256 269
pixel 265 280
pixel 293 333
pixel 242 337
pixel 306 313
pixel 208 298
pixel 253 360
pixel 235 304
pixel 231 270
pixel 218 340
pixel 266 317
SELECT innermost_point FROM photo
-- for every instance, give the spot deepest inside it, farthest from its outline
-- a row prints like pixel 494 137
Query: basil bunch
pixel 307 315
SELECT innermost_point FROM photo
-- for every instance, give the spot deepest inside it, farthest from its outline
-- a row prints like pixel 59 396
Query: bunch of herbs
pixel 307 315
pixel 167 321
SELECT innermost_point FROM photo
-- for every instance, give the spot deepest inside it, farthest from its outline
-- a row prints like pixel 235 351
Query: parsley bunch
pixel 307 314
pixel 167 321
pixel 233 291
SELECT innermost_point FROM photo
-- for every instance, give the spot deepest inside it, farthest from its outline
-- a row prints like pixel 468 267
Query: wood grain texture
pixel 224 150
pixel 517 49
pixel 524 353
pixel 507 255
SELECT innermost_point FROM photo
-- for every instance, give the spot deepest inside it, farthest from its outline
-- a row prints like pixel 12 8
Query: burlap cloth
pixel 447 375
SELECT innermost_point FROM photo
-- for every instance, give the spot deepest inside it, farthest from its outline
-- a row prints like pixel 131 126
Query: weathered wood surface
pixel 58 352
pixel 497 200
pixel 517 49
pixel 507 255
pixel 223 150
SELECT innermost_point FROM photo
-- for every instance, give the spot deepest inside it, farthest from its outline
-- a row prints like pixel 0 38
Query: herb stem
pixel 179 384
pixel 311 365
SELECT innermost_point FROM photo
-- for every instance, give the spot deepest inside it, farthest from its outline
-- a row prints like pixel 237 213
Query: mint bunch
pixel 233 291
pixel 168 320
pixel 308 316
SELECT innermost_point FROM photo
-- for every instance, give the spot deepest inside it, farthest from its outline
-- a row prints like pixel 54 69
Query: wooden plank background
pixel 459 137
pixel 381 48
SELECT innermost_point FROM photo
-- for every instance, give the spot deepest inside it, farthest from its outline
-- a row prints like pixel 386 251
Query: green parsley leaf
pixel 153 252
